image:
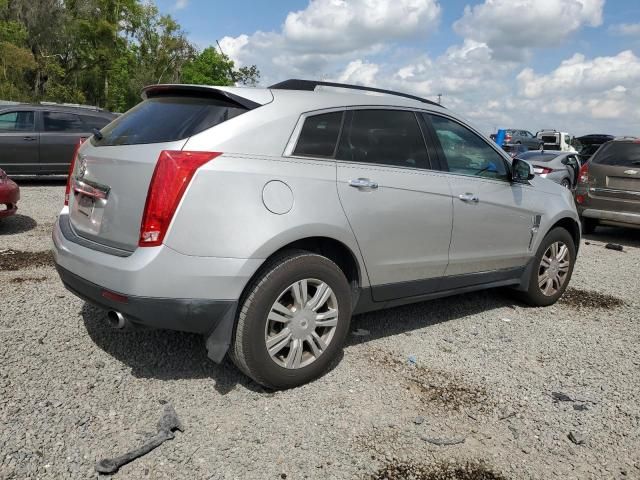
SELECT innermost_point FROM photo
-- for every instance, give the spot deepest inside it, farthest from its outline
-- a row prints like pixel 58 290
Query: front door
pixel 18 143
pixel 493 218
pixel 398 207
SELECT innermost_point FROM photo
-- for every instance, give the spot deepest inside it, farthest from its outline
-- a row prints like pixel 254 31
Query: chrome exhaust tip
pixel 116 320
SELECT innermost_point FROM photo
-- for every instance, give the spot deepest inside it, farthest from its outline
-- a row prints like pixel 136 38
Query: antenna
pixel 231 75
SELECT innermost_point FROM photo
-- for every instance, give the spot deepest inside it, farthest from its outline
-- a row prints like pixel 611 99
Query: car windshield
pixel 538 156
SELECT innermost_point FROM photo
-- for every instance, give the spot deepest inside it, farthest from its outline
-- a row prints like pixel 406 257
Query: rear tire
pixel 292 321
pixel 588 225
pixel 553 266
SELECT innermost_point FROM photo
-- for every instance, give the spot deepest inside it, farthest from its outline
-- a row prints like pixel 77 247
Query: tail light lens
pixel 542 170
pixel 72 166
pixel 583 175
pixel 170 179
pixel 507 138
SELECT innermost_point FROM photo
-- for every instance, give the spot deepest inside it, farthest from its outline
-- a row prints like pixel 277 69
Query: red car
pixel 9 195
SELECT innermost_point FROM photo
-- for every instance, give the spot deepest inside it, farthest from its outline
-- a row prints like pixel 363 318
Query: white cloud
pixel 512 27
pixel 319 40
pixel 626 29
pixel 359 72
pixel 180 4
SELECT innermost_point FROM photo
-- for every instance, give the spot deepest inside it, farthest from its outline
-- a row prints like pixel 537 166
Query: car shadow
pixel 44 181
pixel 406 319
pixel 17 224
pixel 627 237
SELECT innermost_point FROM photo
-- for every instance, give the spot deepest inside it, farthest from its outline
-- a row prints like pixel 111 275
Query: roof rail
pixel 73 105
pixel 310 85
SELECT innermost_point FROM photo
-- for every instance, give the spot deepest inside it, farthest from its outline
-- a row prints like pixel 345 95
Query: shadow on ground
pixel 394 321
pixel 36 181
pixel 627 237
pixel 17 224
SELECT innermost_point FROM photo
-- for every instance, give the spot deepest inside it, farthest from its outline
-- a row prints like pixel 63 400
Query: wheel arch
pixel 571 226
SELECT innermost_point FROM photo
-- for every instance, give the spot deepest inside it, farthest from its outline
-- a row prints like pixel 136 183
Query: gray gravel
pixel 481 381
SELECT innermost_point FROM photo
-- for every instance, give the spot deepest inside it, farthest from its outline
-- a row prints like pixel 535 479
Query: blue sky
pixel 500 62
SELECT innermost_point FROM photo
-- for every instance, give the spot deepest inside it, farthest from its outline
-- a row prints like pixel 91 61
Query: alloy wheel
pixel 554 268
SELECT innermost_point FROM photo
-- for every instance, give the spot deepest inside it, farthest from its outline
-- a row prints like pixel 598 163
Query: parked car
pixel 40 139
pixel 561 167
pixel 520 137
pixel 514 149
pixel 9 195
pixel 587 145
pixel 265 218
pixel 608 190
pixel 555 140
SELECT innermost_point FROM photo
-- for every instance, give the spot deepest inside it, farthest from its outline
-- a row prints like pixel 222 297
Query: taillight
pixel 507 138
pixel 583 175
pixel 542 170
pixel 170 179
pixel 67 190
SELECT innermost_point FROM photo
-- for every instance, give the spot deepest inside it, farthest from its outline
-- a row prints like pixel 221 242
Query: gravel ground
pixel 470 387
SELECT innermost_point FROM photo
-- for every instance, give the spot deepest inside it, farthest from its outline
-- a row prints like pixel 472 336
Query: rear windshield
pixel 166 119
pixel 537 156
pixel 618 154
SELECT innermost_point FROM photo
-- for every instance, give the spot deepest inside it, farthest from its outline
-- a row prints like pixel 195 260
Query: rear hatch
pixel 113 170
pixel 614 175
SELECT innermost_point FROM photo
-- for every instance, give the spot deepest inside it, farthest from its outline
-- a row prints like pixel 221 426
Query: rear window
pixel 166 119
pixel 319 135
pixel 618 154
pixel 537 156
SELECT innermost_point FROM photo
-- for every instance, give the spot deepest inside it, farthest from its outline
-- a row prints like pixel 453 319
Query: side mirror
pixel 521 171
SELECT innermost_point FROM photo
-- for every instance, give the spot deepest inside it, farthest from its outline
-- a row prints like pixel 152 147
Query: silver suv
pixel 265 218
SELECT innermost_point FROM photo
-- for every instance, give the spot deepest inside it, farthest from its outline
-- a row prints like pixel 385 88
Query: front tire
pixel 550 275
pixel 293 320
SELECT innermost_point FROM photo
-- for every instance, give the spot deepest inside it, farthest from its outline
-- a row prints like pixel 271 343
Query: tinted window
pixel 16 121
pixel 465 152
pixel 537 156
pixel 319 135
pixel 94 122
pixel 165 119
pixel 389 137
pixel 62 122
pixel 623 154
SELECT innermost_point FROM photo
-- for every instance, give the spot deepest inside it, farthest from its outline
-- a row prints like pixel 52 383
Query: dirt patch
pixel 579 298
pixel 20 280
pixel 17 260
pixel 443 471
pixel 436 387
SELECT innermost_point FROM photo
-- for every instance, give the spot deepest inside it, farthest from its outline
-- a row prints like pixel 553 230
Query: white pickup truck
pixel 554 140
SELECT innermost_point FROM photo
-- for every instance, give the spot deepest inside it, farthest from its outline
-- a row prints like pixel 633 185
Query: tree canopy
pixel 101 52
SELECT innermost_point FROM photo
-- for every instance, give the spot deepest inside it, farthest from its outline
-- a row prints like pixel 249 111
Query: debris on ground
pixel 418 420
pixel 396 470
pixel 576 437
pixel 579 298
pixel 614 246
pixel 17 259
pixel 561 397
pixel 168 423
pixel 412 360
pixel 360 332
pixel 443 442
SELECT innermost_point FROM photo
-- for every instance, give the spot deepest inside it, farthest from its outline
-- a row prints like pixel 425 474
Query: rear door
pixel 492 217
pixel 59 136
pixel 614 173
pixel 18 142
pixel 398 206
pixel 121 162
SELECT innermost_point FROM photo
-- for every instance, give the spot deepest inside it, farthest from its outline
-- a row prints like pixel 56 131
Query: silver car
pixel 560 167
pixel 264 219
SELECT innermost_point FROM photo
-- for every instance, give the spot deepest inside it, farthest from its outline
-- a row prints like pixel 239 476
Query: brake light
pixel 583 175
pixel 507 138
pixel 170 179
pixel 542 170
pixel 72 166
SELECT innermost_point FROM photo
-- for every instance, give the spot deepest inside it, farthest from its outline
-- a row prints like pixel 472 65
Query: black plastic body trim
pixel 310 86
pixel 182 314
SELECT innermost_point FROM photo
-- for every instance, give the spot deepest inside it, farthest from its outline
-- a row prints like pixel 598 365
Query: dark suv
pixel 40 139
pixel 608 190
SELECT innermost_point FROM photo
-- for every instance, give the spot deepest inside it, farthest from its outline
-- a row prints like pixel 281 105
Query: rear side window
pixel 166 119
pixel 16 121
pixel 62 122
pixel 618 154
pixel 386 137
pixel 92 122
pixel 319 135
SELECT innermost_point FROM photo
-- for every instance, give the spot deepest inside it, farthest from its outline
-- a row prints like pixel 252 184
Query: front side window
pixel 319 135
pixel 467 153
pixel 62 122
pixel 386 137
pixel 16 121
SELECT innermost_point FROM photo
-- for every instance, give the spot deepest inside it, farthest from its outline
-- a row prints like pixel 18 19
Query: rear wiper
pixel 97 134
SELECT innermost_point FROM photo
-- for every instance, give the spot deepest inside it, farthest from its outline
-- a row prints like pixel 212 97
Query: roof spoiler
pixel 161 90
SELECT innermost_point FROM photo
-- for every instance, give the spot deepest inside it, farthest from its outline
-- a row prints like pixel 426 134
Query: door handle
pixel 29 139
pixel 362 183
pixel 469 197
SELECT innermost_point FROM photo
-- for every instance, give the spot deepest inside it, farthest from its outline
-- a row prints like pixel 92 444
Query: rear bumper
pixel 163 288
pixel 618 218
pixel 183 314
pixel 9 196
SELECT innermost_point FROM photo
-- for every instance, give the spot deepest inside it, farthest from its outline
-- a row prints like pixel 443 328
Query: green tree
pixel 208 68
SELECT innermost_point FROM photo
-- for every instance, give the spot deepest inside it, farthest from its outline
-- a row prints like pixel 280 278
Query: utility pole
pixel 439 99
